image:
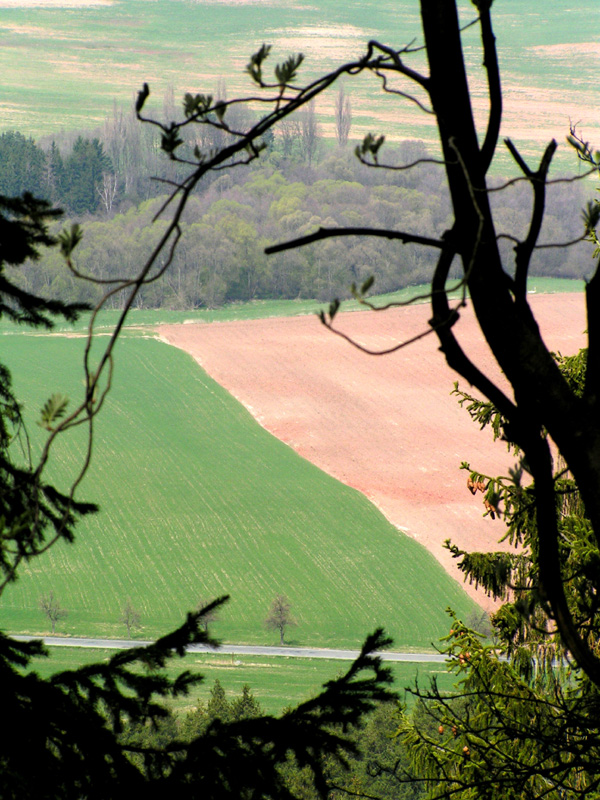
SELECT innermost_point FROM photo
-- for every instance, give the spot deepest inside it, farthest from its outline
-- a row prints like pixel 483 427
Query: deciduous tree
pixel 309 132
pixel 280 616
pixel 208 613
pixel 131 618
pixel 52 609
pixel 343 117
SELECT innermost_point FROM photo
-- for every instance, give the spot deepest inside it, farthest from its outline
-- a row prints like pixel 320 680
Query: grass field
pixel 276 682
pixel 64 67
pixel 198 501
pixel 262 309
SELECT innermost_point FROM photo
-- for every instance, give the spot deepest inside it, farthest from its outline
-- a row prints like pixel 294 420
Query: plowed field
pixel 384 425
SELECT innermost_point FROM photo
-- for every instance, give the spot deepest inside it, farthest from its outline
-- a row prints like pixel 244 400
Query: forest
pixel 116 180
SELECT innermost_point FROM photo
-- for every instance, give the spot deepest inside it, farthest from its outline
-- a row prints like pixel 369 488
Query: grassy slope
pixel 276 682
pixel 198 500
pixel 262 309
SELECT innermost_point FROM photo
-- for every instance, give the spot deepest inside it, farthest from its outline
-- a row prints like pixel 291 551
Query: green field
pixel 198 501
pixel 276 682
pixel 64 67
pixel 263 309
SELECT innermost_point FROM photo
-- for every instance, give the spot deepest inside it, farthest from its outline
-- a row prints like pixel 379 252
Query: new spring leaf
pixel 54 409
pixel 254 67
pixel 286 72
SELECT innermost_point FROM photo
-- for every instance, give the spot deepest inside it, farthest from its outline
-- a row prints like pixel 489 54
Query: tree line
pixel 279 617
pixel 236 213
pixel 369 771
pixel 121 163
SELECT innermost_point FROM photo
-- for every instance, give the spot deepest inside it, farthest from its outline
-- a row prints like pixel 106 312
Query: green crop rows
pixel 198 501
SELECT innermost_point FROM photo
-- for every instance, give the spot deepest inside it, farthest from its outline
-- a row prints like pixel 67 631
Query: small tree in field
pixel 52 609
pixel 131 618
pixel 279 617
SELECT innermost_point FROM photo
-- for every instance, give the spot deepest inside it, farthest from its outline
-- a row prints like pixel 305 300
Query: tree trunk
pixel 542 398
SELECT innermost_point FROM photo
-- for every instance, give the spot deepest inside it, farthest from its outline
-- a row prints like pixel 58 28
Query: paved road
pixel 238 649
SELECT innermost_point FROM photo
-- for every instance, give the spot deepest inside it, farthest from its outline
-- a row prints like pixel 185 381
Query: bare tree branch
pixel 490 62
pixel 524 250
pixel 327 233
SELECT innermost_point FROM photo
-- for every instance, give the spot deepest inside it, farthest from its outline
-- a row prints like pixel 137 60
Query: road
pixel 238 649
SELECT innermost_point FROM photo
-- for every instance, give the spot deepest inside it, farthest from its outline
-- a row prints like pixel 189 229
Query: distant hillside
pixel 64 67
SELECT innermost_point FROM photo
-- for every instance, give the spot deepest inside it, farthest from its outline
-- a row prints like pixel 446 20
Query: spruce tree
pixel 83 170
pixel 22 165
pixel 522 721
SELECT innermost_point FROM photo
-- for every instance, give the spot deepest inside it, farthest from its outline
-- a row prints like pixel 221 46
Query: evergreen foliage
pixel 22 165
pixel 74 182
pixel 523 720
pixel 369 770
pixel 83 171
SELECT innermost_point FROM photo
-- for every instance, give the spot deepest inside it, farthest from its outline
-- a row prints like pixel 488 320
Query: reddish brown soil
pixel 384 425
